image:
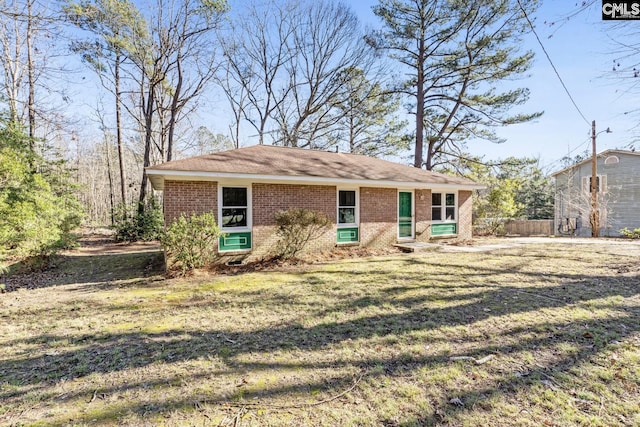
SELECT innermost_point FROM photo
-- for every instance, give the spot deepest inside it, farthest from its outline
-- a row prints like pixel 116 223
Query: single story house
pixel 618 194
pixel 371 202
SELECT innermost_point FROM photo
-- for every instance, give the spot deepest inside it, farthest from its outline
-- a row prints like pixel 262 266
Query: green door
pixel 405 214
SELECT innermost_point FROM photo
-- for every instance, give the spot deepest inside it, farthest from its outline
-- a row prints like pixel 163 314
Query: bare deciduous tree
pixel 113 25
pixel 176 64
pixel 327 41
pixel 257 48
pixel 27 29
pixel 288 61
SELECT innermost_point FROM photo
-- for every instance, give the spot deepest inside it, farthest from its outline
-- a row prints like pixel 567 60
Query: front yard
pixel 541 334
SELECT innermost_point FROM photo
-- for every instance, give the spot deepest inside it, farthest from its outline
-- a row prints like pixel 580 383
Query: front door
pixel 405 215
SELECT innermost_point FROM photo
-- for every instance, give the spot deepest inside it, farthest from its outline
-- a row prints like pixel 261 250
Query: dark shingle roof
pixel 272 162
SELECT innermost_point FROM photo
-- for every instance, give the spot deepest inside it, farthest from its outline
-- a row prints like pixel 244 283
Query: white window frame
pixel 443 206
pixel 601 180
pixel 611 160
pixel 249 225
pixel 356 208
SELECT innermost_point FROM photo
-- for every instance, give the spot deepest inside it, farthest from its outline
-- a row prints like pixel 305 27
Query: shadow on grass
pixel 107 353
pixel 87 269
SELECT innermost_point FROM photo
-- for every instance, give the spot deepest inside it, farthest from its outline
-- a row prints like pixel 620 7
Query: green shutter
pixel 348 235
pixel 235 242
pixel 449 228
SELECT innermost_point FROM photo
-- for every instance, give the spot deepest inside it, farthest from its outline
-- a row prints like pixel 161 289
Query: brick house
pixel 371 202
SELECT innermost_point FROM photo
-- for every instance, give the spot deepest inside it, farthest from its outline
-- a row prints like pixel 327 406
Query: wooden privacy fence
pixel 530 227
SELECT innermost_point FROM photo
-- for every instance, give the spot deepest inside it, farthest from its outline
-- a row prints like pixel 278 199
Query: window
pixel 234 213
pixel 443 206
pixel 601 184
pixel 611 160
pixel 347 207
pixel 234 207
pixel 348 232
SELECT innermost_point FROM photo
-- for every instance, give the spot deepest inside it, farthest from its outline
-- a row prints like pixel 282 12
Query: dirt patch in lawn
pixel 97 259
pixel 101 241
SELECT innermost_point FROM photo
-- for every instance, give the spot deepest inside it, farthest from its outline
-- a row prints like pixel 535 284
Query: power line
pixel 583 144
pixel 552 64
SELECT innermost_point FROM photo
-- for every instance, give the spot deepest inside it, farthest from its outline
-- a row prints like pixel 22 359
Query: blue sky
pixel 580 50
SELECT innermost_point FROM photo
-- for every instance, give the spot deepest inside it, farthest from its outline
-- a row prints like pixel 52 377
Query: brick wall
pixel 378 211
pixel 465 226
pixel 189 197
pixel 271 198
pixel 378 216
pixel 423 215
pixel 268 199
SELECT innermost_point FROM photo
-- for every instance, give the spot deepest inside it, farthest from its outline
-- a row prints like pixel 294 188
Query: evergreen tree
pixel 454 53
pixel 367 123
pixel 38 209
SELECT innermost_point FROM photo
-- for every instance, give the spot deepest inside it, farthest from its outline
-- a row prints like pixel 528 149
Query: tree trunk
pixel 31 78
pixel 420 107
pixel 12 72
pixel 109 176
pixel 174 110
pixel 430 154
pixel 148 122
pixel 123 183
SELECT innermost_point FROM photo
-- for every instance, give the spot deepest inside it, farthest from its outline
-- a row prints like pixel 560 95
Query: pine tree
pixel 455 54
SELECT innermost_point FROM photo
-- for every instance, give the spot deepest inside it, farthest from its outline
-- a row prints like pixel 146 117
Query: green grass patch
pixel 398 340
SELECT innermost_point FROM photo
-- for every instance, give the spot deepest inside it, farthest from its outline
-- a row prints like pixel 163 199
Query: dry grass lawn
pixel 535 335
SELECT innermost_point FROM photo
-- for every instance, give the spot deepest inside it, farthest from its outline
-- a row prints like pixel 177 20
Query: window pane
pixel 234 217
pixel 451 213
pixel 436 213
pixel 451 199
pixel 232 196
pixel 436 199
pixel 347 198
pixel 346 215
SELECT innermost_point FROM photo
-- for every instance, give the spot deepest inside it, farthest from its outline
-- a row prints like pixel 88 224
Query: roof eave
pixel 590 159
pixel 157 178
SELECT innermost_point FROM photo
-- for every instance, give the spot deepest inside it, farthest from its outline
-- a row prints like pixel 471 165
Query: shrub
pixel 190 241
pixel 631 234
pixel 489 226
pixel 296 228
pixel 37 202
pixel 145 226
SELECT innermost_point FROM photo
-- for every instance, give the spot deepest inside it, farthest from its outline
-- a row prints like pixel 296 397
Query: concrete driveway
pixel 487 244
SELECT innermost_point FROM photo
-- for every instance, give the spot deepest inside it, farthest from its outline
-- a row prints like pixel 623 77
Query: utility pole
pixel 594 218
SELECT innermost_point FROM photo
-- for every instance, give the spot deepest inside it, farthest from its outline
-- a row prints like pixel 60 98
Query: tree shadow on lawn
pixel 109 353
pixel 87 269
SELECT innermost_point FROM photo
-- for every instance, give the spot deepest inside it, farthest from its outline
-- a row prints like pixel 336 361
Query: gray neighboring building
pixel 618 182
